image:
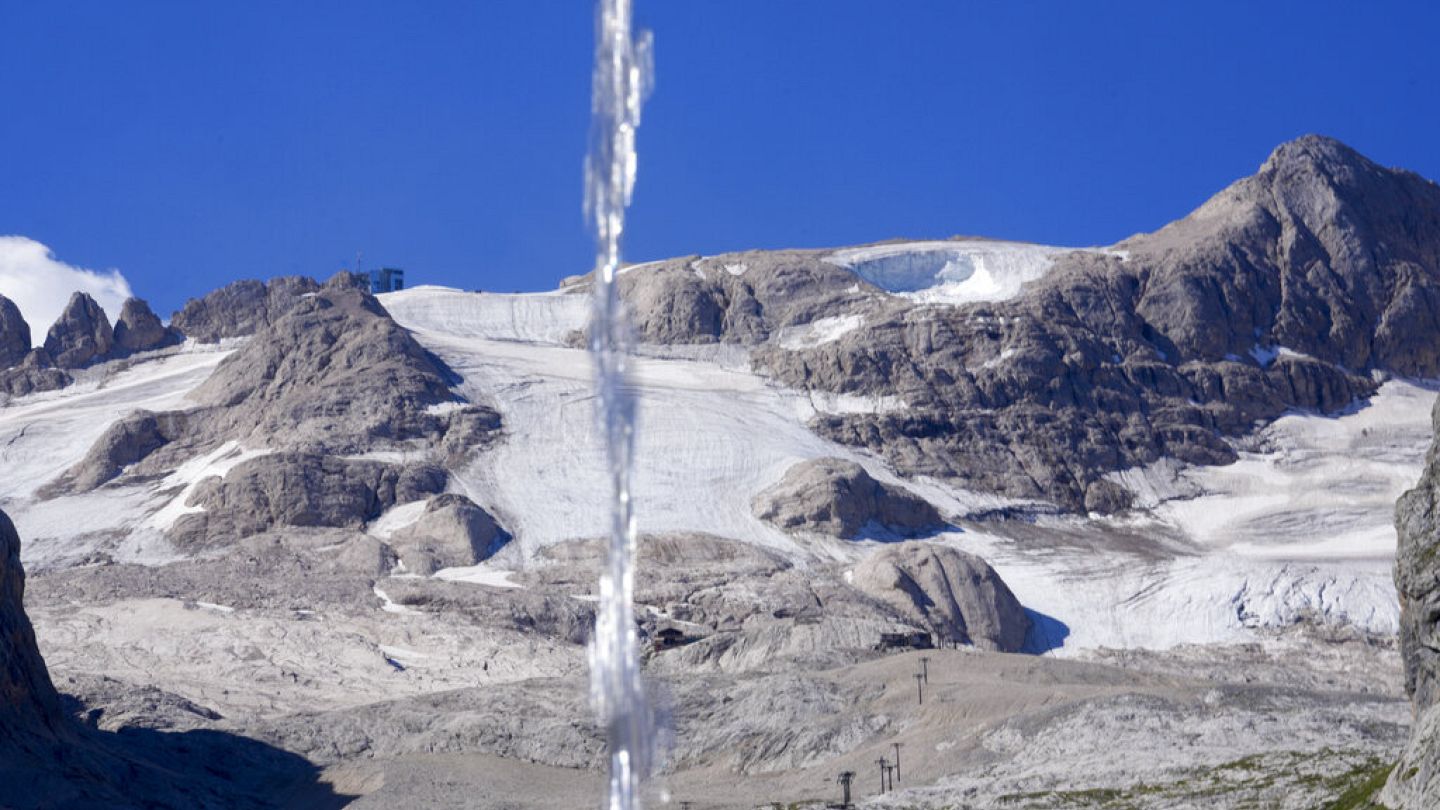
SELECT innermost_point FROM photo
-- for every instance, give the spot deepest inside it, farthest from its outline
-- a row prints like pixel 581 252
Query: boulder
pixel 14 334
pixel 81 336
pixel 452 532
pixel 139 329
pixel 958 596
pixel 837 497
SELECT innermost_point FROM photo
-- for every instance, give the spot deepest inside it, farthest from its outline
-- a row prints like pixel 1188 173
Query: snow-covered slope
pixel 1299 528
pixel 711 437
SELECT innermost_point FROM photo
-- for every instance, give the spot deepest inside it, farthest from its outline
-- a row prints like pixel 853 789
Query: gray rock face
pixel 14 334
pixel 299 489
pixel 81 336
pixel 31 720
pixel 240 309
pixel 1415 782
pixel 837 497
pixel 139 329
pixel 957 595
pixel 334 375
pixel 1108 361
pixel 712 300
pixel 124 443
pixel 335 372
pixel 453 532
pixel 35 373
pixel 1417 578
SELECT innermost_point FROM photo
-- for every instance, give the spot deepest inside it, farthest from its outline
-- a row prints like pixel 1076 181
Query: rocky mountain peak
pixel 82 335
pixel 334 369
pixel 139 328
pixel 1316 153
pixel 14 334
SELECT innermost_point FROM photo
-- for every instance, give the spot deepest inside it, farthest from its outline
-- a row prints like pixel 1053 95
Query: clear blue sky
pixel 192 143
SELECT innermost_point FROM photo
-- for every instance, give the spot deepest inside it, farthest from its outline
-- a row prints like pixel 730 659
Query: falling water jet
pixel 620 83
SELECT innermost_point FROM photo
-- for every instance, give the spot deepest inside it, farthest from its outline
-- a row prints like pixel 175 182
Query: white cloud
pixel 41 286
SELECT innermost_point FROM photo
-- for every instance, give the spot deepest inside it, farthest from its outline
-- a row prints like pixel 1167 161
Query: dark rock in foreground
pixel 837 497
pixel 1415 782
pixel 48 760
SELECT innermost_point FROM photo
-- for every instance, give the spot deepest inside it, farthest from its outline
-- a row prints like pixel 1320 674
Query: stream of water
pixel 621 81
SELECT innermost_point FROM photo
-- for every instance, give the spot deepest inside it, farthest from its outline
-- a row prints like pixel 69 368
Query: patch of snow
pixel 1005 354
pixel 827 402
pixel 1309 487
pixel 481 574
pixel 215 607
pixel 391 606
pixel 444 408
pixel 214 464
pixel 401 654
pixel 1265 355
pixel 819 332
pixel 395 518
pixel 736 269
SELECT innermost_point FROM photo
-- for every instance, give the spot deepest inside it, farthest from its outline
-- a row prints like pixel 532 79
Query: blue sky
pixel 193 143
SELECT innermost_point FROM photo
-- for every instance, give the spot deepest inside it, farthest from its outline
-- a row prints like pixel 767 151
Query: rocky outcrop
pixel 837 497
pixel 955 594
pixel 81 336
pixel 138 329
pixel 299 489
pixel 32 723
pixel 1289 289
pixel 247 307
pixel 452 532
pixel 123 444
pixel 14 334
pixel 1415 782
pixel 739 297
pixel 335 373
pixel 34 374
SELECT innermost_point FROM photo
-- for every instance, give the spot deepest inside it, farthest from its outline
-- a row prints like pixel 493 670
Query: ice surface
pixel 954 272
pixel 529 317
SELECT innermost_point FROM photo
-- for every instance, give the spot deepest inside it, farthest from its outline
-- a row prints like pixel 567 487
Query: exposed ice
pixel 953 272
